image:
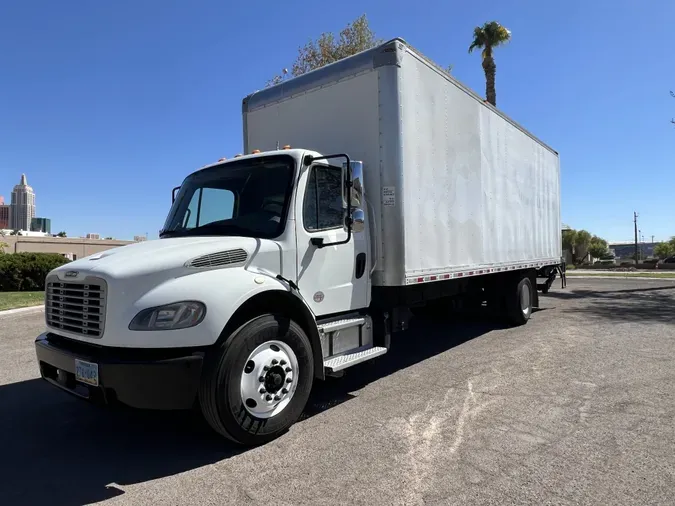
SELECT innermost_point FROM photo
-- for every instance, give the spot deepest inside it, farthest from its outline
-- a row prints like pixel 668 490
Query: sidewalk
pixel 28 309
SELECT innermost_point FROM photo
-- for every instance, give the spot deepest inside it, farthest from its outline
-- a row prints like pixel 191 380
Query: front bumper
pixel 139 378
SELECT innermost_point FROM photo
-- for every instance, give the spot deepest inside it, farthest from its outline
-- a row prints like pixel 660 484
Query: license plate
pixel 86 372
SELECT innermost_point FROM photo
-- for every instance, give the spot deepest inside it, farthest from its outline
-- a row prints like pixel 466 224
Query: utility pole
pixel 635 217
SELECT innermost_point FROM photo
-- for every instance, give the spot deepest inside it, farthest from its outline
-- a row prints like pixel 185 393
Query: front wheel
pixel 257 384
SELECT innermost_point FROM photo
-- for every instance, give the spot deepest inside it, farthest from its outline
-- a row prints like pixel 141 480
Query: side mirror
pixel 173 194
pixel 358 220
pixel 357 184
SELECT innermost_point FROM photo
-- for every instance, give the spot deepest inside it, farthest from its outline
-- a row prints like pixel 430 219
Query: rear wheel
pixel 519 302
pixel 257 384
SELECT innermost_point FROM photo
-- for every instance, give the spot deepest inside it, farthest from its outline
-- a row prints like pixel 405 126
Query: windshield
pixel 247 198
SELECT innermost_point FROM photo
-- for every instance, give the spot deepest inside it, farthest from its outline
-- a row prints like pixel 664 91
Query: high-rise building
pixel 22 208
pixel 41 225
pixel 93 236
pixel 4 214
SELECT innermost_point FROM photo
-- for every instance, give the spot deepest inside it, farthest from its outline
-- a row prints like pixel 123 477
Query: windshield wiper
pixel 171 233
pixel 215 228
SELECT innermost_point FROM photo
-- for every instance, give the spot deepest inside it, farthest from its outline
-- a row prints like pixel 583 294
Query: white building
pixel 22 206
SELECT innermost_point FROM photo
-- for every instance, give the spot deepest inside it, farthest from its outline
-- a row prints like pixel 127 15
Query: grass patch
pixel 655 275
pixel 13 300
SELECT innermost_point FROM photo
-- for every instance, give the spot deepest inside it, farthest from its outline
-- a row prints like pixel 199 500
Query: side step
pixel 340 362
pixel 341 324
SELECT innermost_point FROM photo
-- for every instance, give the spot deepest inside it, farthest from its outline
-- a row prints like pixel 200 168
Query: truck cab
pixel 272 244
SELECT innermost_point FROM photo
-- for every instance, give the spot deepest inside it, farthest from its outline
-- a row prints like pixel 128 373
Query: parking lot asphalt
pixel 576 407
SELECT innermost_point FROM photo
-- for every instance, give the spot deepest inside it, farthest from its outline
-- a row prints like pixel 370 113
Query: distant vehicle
pixel 669 260
pixel 278 268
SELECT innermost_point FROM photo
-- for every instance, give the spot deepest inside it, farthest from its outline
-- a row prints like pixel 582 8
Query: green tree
pixel 357 36
pixel 664 249
pixel 3 245
pixel 488 37
pixel 569 238
pixel 598 247
pixel 61 234
pixel 579 242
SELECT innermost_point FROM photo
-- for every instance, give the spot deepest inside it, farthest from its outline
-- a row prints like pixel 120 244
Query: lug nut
pixel 284 390
pixel 266 368
pixel 288 369
pixel 282 362
pixel 275 361
pixel 262 379
pixel 263 391
pixel 289 380
pixel 277 398
pixel 268 397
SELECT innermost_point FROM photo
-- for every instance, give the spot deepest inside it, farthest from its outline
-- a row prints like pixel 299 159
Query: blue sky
pixel 108 105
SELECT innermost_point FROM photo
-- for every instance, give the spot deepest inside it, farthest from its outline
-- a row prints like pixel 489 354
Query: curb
pixel 28 309
pixel 643 278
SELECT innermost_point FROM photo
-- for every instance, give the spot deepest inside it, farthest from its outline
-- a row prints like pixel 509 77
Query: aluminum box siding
pixel 335 117
pixel 477 190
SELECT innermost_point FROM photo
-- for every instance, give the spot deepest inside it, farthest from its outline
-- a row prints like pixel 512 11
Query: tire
pixel 519 302
pixel 228 377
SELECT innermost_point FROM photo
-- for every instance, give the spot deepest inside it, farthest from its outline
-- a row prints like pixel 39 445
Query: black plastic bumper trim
pixel 164 383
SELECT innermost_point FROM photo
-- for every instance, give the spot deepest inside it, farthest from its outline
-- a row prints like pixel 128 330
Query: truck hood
pixel 148 257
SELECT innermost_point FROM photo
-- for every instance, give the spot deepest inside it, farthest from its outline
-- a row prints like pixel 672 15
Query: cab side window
pixel 322 208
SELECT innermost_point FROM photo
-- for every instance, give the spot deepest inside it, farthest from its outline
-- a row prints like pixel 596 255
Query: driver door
pixel 332 279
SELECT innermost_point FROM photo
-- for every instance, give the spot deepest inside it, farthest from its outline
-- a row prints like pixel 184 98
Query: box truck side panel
pixel 478 191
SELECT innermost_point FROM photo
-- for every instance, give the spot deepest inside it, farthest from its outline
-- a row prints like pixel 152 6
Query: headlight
pixel 179 315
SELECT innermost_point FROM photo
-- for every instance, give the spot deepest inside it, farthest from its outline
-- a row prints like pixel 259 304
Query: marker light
pixel 287 146
pixel 255 151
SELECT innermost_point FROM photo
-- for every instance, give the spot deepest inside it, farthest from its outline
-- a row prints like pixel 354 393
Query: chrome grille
pixel 77 307
pixel 230 257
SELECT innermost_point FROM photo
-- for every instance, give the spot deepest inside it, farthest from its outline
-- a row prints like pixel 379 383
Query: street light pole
pixel 635 216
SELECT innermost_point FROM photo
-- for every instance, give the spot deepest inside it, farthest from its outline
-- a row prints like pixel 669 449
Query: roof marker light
pixel 255 151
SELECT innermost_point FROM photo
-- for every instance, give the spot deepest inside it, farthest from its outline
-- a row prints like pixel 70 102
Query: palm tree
pixel 488 37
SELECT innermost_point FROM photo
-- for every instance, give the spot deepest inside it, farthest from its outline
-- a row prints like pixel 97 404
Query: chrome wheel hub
pixel 525 300
pixel 269 379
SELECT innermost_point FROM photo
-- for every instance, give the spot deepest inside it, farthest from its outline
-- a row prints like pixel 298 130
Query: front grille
pixel 77 307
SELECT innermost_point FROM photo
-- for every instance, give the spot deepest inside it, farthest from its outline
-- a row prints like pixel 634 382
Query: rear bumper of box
pixel 146 379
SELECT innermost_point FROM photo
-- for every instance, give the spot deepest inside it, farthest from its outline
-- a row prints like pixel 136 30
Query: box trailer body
pixel 371 190
pixel 453 185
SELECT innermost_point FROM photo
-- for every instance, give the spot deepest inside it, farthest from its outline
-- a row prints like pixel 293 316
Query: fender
pixel 279 301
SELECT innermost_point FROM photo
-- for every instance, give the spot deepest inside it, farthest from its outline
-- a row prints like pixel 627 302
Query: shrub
pixel 27 271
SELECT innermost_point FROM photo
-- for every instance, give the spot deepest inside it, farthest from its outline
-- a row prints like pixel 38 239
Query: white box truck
pixel 371 188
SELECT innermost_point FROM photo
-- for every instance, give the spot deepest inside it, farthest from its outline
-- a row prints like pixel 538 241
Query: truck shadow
pixel 59 450
pixel 652 304
pixel 425 338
